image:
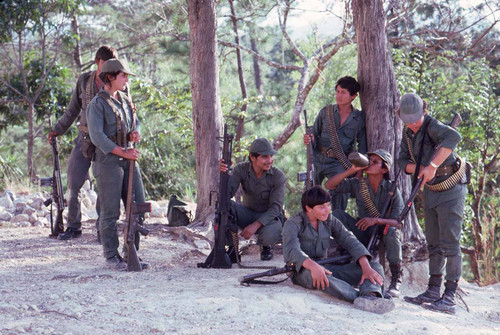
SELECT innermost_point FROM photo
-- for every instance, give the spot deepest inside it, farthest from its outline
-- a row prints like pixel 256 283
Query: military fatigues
pixel 302 241
pixel 78 165
pixel 110 171
pixel 443 210
pixel 392 239
pixel 352 131
pixel 262 200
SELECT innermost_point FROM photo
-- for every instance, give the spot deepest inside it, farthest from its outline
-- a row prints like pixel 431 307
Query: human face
pixel 415 126
pixel 343 96
pixel 120 82
pixel 375 166
pixel 319 212
pixel 262 162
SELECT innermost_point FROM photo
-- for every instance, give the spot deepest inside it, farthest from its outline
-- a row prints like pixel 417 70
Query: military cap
pixel 411 108
pixel 384 155
pixel 114 65
pixel 262 146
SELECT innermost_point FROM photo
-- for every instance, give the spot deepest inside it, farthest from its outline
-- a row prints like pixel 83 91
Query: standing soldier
pixel 263 188
pixel 371 194
pixel 444 197
pixel 112 123
pixel 336 132
pixel 86 88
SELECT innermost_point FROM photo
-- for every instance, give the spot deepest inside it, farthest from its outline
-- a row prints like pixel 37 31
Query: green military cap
pixel 114 65
pixel 411 108
pixel 262 146
pixel 384 155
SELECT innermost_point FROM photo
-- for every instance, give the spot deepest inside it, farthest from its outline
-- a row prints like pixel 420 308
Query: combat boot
pixel 431 294
pixel 446 303
pixel 396 274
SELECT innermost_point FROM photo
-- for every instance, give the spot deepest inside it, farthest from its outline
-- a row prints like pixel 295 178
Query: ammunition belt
pixel 446 170
pixel 367 199
pixel 408 143
pixel 450 182
pixel 336 148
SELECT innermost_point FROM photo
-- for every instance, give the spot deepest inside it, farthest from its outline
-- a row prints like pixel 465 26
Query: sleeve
pixel 95 119
pixel 362 144
pixel 317 128
pixel 348 185
pixel 291 243
pixel 444 135
pixel 396 206
pixel 72 112
pixel 276 198
pixel 347 239
pixel 236 178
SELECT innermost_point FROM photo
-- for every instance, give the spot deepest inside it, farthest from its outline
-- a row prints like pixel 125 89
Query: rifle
pixel 343 259
pixel 455 122
pixel 132 224
pixel 218 257
pixel 57 194
pixel 308 177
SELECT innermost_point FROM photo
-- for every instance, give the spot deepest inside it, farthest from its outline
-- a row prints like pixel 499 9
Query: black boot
pixel 70 233
pixel 431 294
pixel 266 253
pixel 446 303
pixel 396 274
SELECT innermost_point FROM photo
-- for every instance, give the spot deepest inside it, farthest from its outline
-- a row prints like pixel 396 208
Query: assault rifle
pixel 343 259
pixel 57 194
pixel 455 122
pixel 133 225
pixel 308 176
pixel 218 257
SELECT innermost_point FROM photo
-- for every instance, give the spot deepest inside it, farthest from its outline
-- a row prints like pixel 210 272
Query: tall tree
pixel 207 116
pixel 379 95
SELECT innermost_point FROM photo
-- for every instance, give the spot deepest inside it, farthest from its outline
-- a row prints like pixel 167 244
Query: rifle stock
pixel 310 166
pixel 132 225
pixel 218 258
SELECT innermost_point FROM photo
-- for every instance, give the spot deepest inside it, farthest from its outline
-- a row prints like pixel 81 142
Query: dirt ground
pixel 62 287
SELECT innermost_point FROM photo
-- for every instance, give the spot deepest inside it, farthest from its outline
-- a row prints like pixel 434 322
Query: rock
pixel 38 223
pixel 157 210
pixel 24 224
pixel 6 201
pixel 29 210
pixel 37 203
pixel 202 244
pixel 20 218
pixel 5 216
pixel 20 206
pixel 374 305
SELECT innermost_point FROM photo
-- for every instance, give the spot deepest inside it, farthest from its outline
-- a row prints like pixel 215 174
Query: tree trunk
pixel 256 65
pixel 31 141
pixel 380 99
pixel 207 116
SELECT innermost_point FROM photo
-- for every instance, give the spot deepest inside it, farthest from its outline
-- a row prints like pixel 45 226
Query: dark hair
pixel 314 196
pixel 106 52
pixel 104 76
pixel 253 154
pixel 349 83
pixel 384 166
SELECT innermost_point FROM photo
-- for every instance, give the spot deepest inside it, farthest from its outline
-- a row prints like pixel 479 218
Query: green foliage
pixel 167 149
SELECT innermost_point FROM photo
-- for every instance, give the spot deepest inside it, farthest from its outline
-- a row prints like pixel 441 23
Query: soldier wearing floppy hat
pixel 263 185
pixel 443 206
pixel 112 123
pixel 371 194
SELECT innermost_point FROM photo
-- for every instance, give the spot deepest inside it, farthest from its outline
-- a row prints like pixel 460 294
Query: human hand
pixel 250 230
pixel 222 166
pixel 308 138
pixel 372 276
pixel 427 174
pixel 134 136
pixel 318 274
pixel 52 134
pixel 365 223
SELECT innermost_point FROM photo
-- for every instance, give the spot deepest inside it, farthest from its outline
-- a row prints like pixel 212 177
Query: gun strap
pixel 266 282
pixel 418 160
pixel 90 90
pixel 367 199
pixel 338 152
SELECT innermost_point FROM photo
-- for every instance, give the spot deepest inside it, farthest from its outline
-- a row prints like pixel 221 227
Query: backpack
pixel 177 212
